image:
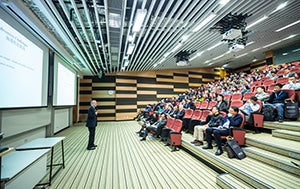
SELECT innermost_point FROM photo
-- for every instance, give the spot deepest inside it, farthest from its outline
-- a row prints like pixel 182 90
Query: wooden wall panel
pixel 134 90
pixel 98 89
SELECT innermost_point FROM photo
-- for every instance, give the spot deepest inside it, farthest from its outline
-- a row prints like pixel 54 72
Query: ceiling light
pixel 287 26
pixel 256 22
pixel 224 2
pixel 207 61
pixel 114 20
pixel 198 54
pixel 167 54
pixel 296 50
pixel 254 60
pixel 256 49
pixel 251 42
pixel 131 38
pixel 204 22
pixel 284 54
pixel 218 57
pixel 177 47
pixel 241 55
pixel 139 19
pixel 184 38
pixel 130 48
pixel 126 63
pixel 155 65
pixel 281 6
pixel 212 47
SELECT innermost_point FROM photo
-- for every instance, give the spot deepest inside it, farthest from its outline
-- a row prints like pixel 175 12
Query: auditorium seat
pixel 227 97
pixel 268 82
pixel 197 104
pixel 282 80
pixel 204 115
pixel 248 95
pixel 211 104
pixel 280 73
pixel 175 134
pixel 237 103
pixel 292 94
pixel 236 96
pixel 204 105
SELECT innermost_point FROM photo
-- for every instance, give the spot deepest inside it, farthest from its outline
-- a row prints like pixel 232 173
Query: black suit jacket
pixel 92 117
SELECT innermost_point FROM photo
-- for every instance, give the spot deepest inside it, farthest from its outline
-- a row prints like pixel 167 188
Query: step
pixel 281 146
pixel 229 181
pixel 286 125
pixel 253 172
pixel 276 160
pixel 290 135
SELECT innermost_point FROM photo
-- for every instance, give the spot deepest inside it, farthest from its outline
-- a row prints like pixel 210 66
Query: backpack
pixel 268 112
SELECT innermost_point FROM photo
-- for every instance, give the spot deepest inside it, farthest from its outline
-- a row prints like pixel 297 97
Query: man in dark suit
pixel 157 127
pixel 91 124
pixel 234 120
pixel 276 99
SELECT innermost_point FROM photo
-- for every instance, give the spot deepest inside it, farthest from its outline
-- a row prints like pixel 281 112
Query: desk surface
pixel 16 161
pixel 41 143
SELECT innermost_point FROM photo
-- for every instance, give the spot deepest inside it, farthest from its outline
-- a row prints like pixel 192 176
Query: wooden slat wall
pixel 97 89
pixel 134 90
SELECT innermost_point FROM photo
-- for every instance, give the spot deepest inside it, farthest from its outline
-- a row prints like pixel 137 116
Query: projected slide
pixel 65 85
pixel 21 70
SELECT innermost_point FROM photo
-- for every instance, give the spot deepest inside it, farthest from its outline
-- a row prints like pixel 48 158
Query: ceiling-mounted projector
pixel 182 63
pixel 236 47
pixel 182 58
pixel 232 34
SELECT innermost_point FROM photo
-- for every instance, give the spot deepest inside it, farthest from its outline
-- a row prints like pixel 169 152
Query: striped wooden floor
pixel 122 161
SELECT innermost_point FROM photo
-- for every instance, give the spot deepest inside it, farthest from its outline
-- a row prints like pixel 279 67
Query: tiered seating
pixel 197 104
pixel 211 104
pixel 175 134
pixel 268 82
pixel 237 103
pixel 248 95
pixel 227 97
pixel 195 120
pixel 282 80
pixel 204 115
pixel 204 105
pixel 236 97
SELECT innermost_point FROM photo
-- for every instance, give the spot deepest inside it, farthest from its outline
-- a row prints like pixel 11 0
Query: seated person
pixel 222 104
pixel 215 121
pixel 261 94
pixel 276 99
pixel 157 127
pixel 180 113
pixel 149 121
pixel 249 107
pixel 235 120
pixel 292 83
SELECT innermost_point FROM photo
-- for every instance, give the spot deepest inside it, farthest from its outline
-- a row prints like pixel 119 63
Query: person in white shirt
pixel 249 107
pixel 292 84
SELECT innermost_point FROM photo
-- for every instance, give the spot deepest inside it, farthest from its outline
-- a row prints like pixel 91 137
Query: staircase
pixel 272 161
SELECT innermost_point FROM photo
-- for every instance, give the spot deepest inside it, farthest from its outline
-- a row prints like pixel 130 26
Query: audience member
pixel 157 127
pixel 292 83
pixel 277 100
pixel 249 107
pixel 221 103
pixel 235 120
pixel 261 94
pixel 215 121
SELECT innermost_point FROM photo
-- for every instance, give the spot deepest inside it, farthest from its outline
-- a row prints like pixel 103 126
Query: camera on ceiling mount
pixel 183 57
pixel 233 30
